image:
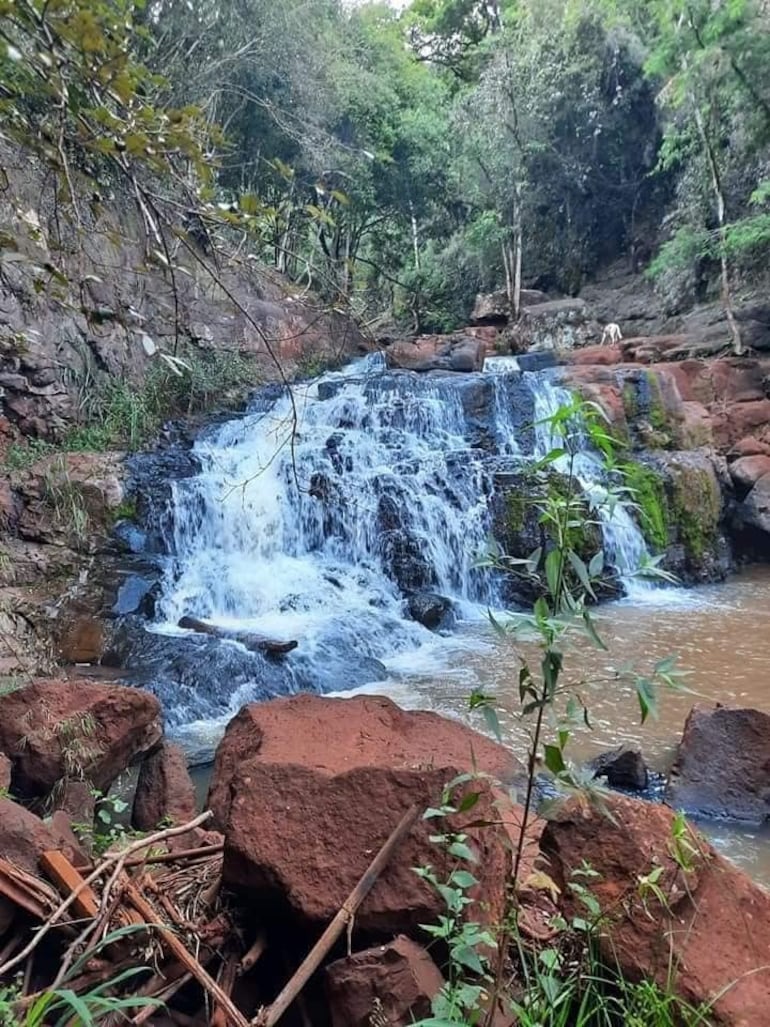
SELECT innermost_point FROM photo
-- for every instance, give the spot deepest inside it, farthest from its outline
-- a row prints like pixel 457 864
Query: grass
pixel 125 415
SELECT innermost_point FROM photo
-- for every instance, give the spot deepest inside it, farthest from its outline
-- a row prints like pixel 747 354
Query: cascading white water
pixel 316 528
pixel 624 545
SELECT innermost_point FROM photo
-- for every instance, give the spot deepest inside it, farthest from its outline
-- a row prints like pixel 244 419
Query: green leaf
pixel 554 759
pixel 581 570
pixel 645 693
pixel 553 568
pixel 463 851
pixel 588 624
pixel 467 957
pixel 463 879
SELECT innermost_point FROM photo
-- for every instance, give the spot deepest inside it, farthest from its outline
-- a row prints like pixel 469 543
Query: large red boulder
pixel 164 790
pixel 397 981
pixel 709 939
pixel 335 735
pixel 54 729
pixel 722 766
pixel 308 789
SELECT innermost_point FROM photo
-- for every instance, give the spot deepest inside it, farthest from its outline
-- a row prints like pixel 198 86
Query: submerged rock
pixel 431 610
pixel 624 768
pixel 710 937
pixel 722 766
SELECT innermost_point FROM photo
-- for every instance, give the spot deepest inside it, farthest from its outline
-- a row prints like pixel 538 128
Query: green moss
pixel 515 512
pixel 657 415
pixel 697 506
pixel 630 402
pixel 125 511
pixel 649 494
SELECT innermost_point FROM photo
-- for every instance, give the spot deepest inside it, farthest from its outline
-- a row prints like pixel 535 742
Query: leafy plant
pixel 564 985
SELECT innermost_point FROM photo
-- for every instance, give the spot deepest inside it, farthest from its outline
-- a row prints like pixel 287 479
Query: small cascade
pixel 316 518
pixel 624 545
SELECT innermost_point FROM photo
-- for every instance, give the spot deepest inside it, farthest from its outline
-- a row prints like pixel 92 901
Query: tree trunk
pixel 719 196
pixel 517 254
pixel 415 236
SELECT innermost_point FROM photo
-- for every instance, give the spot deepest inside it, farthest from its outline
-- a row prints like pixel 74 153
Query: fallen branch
pixel 104 865
pixel 272 1014
pixel 253 955
pixel 178 949
pixel 177 857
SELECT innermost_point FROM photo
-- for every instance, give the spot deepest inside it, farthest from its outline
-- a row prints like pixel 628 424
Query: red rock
pixel 597 356
pixel 61 826
pixel 164 791
pixel 81 639
pixel 76 799
pixel 722 766
pixel 749 447
pixel 54 729
pixel 734 421
pixel 394 982
pixel 5 773
pixel 301 838
pixel 711 937
pixel 24 837
pixel 307 789
pixel 747 470
pixel 334 735
pixel 438 353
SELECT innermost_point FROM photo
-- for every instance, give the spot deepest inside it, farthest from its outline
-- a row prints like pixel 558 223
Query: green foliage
pixel 63 1005
pixel 566 984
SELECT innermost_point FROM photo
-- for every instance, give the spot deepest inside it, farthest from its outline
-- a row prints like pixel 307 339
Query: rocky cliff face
pixel 88 298
pixel 104 334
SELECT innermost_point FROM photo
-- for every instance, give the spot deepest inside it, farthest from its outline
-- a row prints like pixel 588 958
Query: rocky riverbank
pixel 304 793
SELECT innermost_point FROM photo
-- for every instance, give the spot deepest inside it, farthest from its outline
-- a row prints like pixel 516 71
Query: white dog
pixel 612 334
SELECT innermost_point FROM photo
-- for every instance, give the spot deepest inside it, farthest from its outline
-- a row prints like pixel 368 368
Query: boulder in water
pixel 624 768
pixel 722 766
pixel 710 936
pixel 431 610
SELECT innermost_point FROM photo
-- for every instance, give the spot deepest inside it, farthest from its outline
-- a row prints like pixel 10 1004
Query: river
pixel 717 633
pixel 313 519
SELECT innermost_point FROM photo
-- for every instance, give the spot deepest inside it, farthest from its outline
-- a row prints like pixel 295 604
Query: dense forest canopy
pixel 403 160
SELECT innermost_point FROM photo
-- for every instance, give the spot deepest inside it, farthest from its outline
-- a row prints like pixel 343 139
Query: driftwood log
pixel 249 640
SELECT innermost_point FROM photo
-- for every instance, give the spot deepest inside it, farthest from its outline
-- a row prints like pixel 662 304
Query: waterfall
pixel 314 519
pixel 624 545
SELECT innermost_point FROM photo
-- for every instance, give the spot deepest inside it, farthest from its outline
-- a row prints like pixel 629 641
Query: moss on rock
pixel 649 493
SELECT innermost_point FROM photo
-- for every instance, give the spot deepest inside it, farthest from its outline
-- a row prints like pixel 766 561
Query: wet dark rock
pixel 517 506
pixel 538 361
pixel 624 768
pixel 722 766
pixel 404 561
pixel 431 610
pixel 130 536
pixel 137 594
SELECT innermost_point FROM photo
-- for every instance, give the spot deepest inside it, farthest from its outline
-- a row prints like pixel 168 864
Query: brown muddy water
pixel 720 634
